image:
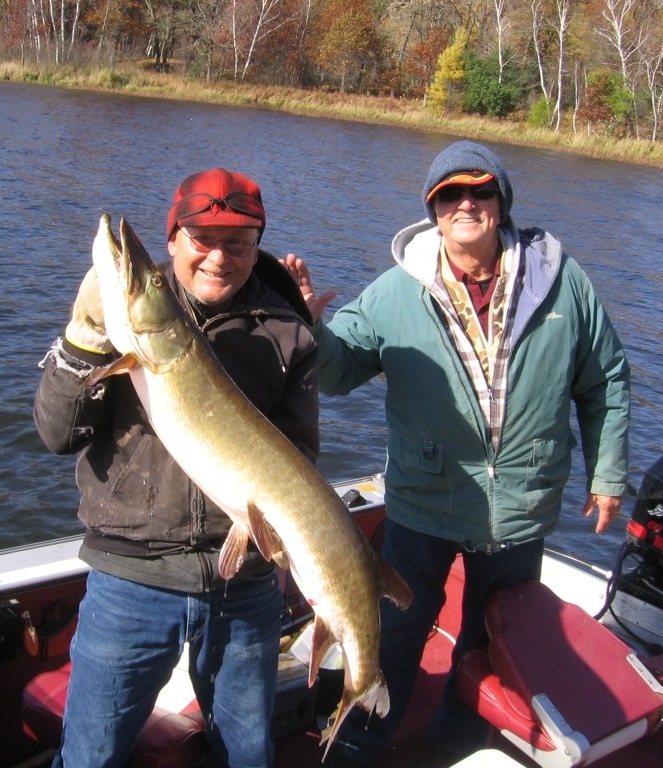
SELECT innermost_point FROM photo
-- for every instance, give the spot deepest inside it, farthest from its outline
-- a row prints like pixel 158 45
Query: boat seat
pixel 172 737
pixel 556 682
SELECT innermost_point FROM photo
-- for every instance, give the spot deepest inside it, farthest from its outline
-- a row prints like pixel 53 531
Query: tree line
pixel 586 65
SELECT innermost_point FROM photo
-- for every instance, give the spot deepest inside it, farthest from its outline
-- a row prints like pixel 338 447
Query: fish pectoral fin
pixel 234 550
pixel 266 541
pixel 322 641
pixel 123 364
pixel 393 585
pixel 374 699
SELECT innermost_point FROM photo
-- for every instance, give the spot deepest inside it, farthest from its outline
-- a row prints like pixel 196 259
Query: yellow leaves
pixel 450 71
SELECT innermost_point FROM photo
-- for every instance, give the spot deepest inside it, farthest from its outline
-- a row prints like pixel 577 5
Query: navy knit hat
pixel 467 156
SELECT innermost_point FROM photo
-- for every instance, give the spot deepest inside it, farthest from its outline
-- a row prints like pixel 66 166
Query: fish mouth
pixel 137 279
pixel 120 253
pixel 132 263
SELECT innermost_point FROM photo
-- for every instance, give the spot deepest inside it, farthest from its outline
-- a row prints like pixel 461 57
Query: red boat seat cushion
pixel 480 688
pixel 167 740
pixel 540 644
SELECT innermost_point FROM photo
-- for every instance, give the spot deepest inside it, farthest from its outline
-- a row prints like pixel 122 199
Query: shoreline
pixel 141 81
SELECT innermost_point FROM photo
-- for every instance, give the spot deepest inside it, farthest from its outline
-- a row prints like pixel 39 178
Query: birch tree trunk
pixel 54 27
pixel 654 69
pixel 74 27
pixel 269 20
pixel 537 24
pixel 627 40
pixel 500 23
pixel 563 9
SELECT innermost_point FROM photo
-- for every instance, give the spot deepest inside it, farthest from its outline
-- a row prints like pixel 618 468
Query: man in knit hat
pixel 152 537
pixel 486 335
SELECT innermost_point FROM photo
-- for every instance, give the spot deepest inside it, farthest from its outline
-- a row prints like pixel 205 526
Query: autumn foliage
pixel 595 65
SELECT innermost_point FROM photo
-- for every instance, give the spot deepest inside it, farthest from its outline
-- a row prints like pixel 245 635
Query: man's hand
pixel 300 272
pixel 86 329
pixel 608 507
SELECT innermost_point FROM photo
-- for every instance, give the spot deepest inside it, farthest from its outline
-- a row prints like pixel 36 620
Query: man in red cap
pixel 152 538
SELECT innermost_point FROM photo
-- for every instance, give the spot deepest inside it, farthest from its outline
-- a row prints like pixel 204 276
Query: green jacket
pixel 443 476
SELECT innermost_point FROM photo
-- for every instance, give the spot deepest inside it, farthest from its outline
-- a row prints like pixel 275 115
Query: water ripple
pixel 336 193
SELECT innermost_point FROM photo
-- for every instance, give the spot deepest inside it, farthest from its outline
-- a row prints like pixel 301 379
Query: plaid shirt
pixel 486 360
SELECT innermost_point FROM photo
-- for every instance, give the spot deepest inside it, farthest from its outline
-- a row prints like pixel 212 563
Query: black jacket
pixel 139 508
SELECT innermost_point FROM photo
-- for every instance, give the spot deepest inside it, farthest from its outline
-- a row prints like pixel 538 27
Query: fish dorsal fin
pixel 393 585
pixel 262 534
pixel 123 364
pixel 323 639
pixel 234 550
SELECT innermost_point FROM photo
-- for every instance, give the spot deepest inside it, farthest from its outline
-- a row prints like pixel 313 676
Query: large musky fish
pixel 273 495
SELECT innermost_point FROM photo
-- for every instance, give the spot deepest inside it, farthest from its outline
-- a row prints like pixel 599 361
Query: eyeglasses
pixel 240 202
pixel 232 245
pixel 454 193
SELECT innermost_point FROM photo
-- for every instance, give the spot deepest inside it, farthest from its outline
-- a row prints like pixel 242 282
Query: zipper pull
pixel 30 636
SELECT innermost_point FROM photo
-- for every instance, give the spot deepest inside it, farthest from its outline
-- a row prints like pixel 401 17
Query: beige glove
pixel 86 328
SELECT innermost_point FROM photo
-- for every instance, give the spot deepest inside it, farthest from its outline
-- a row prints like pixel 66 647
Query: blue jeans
pixel 129 638
pixel 424 562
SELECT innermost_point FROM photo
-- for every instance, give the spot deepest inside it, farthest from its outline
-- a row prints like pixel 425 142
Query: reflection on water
pixel 336 193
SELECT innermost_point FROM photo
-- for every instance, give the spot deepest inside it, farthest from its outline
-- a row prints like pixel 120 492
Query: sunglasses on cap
pixel 240 202
pixel 454 193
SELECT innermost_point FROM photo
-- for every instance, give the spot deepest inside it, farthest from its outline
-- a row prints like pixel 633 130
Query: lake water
pixel 335 193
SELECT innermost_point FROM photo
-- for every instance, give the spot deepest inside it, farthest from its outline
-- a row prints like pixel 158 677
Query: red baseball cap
pixel 216 198
pixel 469 178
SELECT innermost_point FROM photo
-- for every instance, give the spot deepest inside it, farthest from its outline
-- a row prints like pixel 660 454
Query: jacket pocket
pixel 133 479
pixel 547 472
pixel 417 465
pixel 423 454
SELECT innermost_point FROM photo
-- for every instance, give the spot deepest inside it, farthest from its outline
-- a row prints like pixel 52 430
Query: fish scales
pixel 247 467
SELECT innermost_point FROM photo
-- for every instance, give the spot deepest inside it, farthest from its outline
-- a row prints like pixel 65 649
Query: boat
pixel 605 612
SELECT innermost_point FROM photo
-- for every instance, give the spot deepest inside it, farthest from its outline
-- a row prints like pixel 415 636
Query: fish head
pixel 142 315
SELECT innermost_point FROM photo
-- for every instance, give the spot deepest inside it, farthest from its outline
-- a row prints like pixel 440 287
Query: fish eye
pixel 158 281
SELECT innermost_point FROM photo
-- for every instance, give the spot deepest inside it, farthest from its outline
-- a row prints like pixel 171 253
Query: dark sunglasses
pixel 454 193
pixel 240 202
